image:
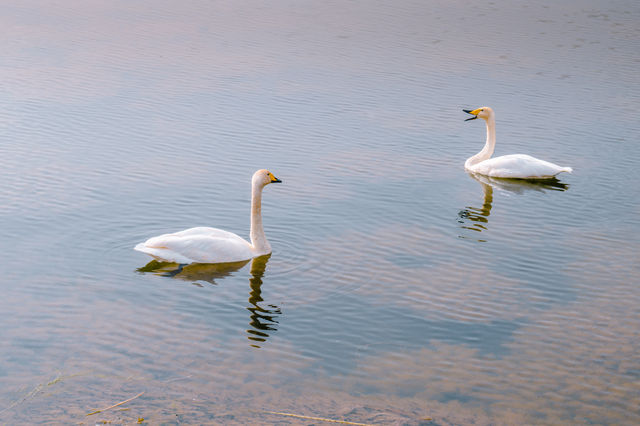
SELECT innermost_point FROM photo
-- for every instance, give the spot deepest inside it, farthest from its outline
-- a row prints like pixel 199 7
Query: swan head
pixel 483 112
pixel 263 178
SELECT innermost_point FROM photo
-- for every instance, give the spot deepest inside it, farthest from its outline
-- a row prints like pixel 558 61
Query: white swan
pixel 517 166
pixel 211 245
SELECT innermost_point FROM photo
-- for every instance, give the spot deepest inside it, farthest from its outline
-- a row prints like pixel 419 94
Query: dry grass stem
pixel 115 405
pixel 344 422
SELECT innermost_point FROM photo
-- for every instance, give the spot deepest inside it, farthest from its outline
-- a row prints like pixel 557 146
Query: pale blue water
pixel 399 287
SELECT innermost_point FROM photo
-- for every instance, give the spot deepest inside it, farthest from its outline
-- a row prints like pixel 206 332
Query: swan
pixel 212 245
pixel 516 166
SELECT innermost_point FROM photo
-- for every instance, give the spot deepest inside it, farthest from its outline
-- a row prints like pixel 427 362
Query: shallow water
pixel 400 288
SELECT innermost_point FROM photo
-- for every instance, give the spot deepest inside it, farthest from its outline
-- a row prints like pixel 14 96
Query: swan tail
pixel 566 169
pixel 140 247
pixel 162 254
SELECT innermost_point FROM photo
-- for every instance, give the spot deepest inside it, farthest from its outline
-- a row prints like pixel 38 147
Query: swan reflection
pixel 520 186
pixel 263 318
pixel 474 218
pixel 477 218
pixel 194 272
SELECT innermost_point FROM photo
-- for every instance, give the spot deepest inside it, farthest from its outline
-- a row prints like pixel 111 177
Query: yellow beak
pixel 475 113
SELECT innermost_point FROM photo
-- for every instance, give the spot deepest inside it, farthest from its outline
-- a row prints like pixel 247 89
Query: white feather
pixel 212 245
pixel 515 166
pixel 198 245
pixel 518 166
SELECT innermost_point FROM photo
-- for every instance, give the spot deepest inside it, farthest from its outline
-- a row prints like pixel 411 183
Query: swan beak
pixel 474 113
pixel 272 178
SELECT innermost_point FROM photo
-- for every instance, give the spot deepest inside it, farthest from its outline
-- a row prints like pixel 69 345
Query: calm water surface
pixel 400 288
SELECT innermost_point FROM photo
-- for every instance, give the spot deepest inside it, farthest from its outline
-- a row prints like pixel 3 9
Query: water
pixel 399 289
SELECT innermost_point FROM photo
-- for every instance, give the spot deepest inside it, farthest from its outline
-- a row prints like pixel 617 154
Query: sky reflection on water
pixel 399 288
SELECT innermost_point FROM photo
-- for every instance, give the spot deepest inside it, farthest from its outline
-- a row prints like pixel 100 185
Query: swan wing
pixel 519 166
pixel 198 245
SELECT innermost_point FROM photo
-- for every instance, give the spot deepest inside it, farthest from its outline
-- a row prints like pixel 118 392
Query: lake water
pixel 399 289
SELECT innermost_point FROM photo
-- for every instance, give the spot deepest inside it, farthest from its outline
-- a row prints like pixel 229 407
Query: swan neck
pixel 487 150
pixel 259 242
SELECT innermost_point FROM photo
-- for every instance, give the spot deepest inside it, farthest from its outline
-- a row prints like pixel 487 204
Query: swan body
pixel 212 245
pixel 198 245
pixel 515 166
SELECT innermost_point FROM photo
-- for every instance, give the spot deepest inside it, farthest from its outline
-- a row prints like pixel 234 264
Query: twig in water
pixel 35 391
pixel 27 396
pixel 178 378
pixel 344 422
pixel 115 405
